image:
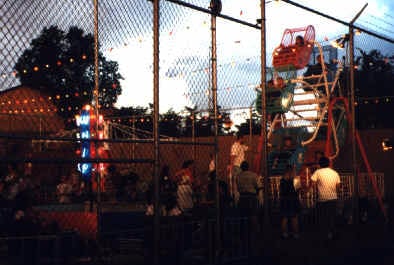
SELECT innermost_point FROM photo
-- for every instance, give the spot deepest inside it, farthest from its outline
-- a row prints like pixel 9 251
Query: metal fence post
pixel 96 100
pixel 263 161
pixel 215 9
pixel 156 133
pixel 353 126
pixel 353 122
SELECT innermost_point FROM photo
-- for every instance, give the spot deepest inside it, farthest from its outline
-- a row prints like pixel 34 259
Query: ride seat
pixel 289 55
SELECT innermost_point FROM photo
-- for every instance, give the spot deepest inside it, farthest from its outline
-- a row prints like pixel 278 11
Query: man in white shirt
pixel 237 156
pixel 327 181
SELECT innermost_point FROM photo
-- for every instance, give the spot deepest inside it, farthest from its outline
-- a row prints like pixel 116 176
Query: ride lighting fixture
pixel 387 144
pixel 340 42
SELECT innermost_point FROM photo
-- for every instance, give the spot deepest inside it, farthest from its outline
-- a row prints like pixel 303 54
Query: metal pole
pixel 156 133
pixel 194 134
pixel 215 112
pixel 250 125
pixel 264 171
pixel 133 137
pixel 353 121
pixel 353 127
pixel 96 109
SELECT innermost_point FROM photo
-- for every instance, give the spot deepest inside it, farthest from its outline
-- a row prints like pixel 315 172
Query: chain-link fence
pixel 65 168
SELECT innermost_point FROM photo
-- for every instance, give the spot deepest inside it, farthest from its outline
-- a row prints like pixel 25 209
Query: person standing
pixel 211 187
pixel 327 181
pixel 289 202
pixel 318 154
pixel 184 179
pixel 64 190
pixel 250 190
pixel 9 187
pixel 237 156
pixel 286 151
pixel 118 182
pixel 248 186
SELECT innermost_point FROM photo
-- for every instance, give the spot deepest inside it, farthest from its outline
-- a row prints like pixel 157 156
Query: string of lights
pixel 15 110
pixel 375 100
pixel 233 63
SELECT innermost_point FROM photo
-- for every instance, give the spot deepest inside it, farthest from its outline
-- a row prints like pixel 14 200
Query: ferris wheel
pixel 298 105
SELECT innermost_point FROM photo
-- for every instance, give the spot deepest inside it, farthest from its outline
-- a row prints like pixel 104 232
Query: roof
pixel 29 111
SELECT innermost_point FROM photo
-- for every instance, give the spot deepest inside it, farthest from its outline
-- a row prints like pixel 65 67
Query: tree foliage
pixel 61 64
pixel 374 78
pixel 375 75
pixel 171 123
pixel 253 124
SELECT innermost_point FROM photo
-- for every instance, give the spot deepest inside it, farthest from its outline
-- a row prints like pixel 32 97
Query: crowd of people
pixel 17 197
pixel 16 189
pixel 243 189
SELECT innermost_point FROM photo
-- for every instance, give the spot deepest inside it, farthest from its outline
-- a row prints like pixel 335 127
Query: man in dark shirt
pixel 248 185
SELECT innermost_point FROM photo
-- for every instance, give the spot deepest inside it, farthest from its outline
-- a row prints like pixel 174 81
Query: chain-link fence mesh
pixel 47 78
pixel 373 78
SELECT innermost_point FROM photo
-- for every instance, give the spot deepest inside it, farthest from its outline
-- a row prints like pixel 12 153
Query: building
pixel 26 111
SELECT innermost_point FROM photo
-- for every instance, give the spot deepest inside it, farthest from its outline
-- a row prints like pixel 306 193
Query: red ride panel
pixel 291 53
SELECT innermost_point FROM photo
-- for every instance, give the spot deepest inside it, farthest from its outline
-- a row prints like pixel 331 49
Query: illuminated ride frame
pixel 331 112
pixel 91 127
pixel 91 133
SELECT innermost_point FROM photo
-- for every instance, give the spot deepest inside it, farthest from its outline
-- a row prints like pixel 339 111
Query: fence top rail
pixel 42 237
pixel 208 11
pixel 349 24
pixel 45 139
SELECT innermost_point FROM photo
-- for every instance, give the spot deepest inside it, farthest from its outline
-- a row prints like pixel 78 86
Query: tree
pixel 135 121
pixel 254 124
pixel 61 65
pixel 374 78
pixel 170 123
pixel 203 122
pixel 375 74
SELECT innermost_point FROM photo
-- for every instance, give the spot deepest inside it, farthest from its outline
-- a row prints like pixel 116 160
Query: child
pixel 289 202
pixel 299 42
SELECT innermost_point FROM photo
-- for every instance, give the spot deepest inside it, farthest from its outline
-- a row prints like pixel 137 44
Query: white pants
pixel 185 197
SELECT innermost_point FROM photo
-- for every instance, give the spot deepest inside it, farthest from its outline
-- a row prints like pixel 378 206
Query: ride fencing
pixel 40 136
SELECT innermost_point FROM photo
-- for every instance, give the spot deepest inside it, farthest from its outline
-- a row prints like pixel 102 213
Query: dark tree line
pixel 374 75
pixel 374 83
pixel 171 123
